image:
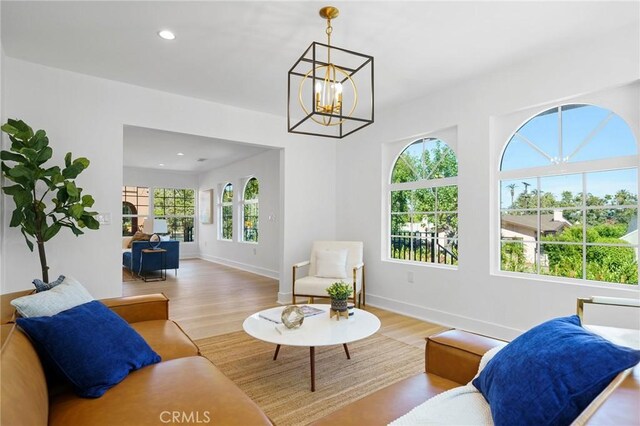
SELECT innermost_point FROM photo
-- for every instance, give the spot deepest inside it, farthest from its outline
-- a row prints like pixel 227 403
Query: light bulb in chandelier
pixel 329 97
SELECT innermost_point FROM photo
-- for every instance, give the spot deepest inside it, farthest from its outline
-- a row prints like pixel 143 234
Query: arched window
pixel 135 209
pixel 424 204
pixel 569 196
pixel 250 211
pixel 226 224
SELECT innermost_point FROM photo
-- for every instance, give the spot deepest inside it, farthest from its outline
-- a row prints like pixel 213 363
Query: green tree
pixel 251 189
pixel 512 190
pixel 512 257
pixel 604 263
pixel 24 165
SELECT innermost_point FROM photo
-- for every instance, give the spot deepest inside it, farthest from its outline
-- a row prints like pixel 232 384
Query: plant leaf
pixel 21 171
pixel 13 189
pixel 29 243
pixel 90 222
pixel 22 199
pixel 87 200
pixel 30 153
pixel 39 140
pixel 16 218
pixel 10 156
pixel 82 161
pixel 51 171
pixel 72 190
pixel 62 195
pixel 51 231
pixel 67 159
pixel 19 129
pixel 72 171
pixel 44 155
pixel 75 230
pixel 76 211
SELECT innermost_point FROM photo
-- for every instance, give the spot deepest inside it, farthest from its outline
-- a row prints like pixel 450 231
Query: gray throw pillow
pixel 69 294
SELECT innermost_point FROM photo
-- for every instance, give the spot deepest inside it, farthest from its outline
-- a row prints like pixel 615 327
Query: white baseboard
pixel 443 318
pixel 244 266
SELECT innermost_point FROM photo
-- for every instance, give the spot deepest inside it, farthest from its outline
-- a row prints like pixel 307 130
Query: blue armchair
pixel 131 259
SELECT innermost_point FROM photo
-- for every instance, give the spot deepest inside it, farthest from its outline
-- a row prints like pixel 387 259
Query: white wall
pixel 473 297
pixel 261 258
pixel 152 178
pixel 3 119
pixel 86 115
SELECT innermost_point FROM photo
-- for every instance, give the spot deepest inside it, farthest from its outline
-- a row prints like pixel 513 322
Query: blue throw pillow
pixel 92 346
pixel 42 286
pixel 549 375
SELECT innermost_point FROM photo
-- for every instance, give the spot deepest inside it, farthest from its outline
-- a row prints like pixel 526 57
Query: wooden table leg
pixel 275 356
pixel 346 349
pixel 312 355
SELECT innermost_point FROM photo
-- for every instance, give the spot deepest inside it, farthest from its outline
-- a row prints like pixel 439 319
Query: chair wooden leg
pixel 364 295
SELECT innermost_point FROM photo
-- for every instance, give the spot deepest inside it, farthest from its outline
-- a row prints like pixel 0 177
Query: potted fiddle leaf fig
pixel 339 292
pixel 46 198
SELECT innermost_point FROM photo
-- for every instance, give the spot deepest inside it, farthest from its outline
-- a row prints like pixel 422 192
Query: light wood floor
pixel 209 299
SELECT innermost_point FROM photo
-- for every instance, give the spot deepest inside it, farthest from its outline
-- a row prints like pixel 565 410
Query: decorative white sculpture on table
pixel 292 316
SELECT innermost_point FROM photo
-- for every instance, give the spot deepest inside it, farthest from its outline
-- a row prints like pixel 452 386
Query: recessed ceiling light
pixel 180 154
pixel 166 34
pixel 161 165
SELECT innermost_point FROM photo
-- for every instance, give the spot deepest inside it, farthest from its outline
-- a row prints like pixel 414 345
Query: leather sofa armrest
pixel 140 308
pixel 7 311
pixel 456 354
pixel 614 406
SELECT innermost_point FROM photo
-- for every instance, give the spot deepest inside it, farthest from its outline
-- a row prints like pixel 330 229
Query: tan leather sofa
pixel 183 388
pixel 452 359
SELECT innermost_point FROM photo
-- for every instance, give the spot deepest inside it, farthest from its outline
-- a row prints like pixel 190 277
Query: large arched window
pixel 226 213
pixel 424 204
pixel 569 196
pixel 250 211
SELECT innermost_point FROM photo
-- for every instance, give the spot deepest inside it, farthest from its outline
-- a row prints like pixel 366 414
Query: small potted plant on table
pixel 339 293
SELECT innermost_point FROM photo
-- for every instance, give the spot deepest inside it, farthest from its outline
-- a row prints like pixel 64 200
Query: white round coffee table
pixel 316 330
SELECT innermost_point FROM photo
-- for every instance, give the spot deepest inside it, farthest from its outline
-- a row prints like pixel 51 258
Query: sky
pixel 588 133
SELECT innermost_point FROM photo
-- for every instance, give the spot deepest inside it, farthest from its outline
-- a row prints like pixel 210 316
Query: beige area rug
pixel 282 387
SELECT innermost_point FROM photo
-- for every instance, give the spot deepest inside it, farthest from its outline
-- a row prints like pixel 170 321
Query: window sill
pixel 567 281
pixel 416 263
pixel 255 243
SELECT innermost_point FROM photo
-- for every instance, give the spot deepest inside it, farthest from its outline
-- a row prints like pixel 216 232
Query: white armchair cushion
pixel 316 286
pixel 331 263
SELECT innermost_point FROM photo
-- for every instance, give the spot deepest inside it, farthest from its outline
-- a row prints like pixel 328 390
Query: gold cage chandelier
pixel 323 97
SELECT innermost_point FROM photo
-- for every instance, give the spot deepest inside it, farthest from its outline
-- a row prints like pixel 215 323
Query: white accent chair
pixel 320 276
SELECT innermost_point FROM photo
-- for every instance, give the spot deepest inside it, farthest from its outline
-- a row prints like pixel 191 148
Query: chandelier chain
pixel 329 30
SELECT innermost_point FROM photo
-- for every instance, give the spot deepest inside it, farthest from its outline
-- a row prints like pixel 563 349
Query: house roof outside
pixel 548 225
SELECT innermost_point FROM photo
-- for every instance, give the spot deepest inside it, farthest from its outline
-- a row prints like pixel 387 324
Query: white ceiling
pixel 149 148
pixel 238 53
